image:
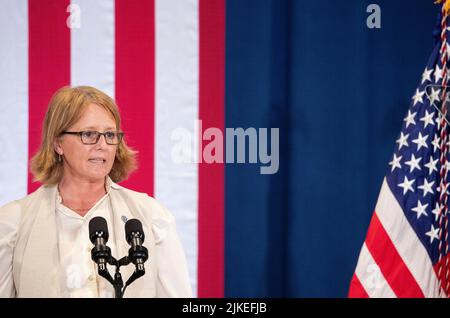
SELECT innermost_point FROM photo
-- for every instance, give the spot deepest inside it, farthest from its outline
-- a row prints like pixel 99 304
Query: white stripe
pixel 370 276
pixel 406 242
pixel 13 99
pixel 176 106
pixel 92 45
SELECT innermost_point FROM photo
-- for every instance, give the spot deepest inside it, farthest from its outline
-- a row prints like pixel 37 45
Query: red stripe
pixel 390 262
pixel 49 63
pixel 356 289
pixel 211 176
pixel 135 84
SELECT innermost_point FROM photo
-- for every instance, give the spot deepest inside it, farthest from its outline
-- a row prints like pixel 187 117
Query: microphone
pixel 137 254
pixel 101 253
pixel 98 234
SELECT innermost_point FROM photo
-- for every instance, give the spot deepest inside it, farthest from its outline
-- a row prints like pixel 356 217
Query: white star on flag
pixel 421 141
pixel 402 141
pixel 436 142
pixel 427 187
pixel 427 119
pixel 413 163
pixel 407 185
pixel 418 97
pixel 438 73
pixel 433 234
pixel 431 165
pixel 434 96
pixel 420 209
pixel 438 120
pixel 436 211
pixel 395 163
pixel 410 119
pixel 426 76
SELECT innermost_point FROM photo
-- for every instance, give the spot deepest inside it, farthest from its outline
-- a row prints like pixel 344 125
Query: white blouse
pixel 80 277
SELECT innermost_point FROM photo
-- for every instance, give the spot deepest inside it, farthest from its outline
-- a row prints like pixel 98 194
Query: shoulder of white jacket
pixel 36 195
pixel 145 200
pixel 10 206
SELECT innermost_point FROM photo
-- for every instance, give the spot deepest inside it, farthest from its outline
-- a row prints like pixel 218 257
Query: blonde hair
pixel 65 108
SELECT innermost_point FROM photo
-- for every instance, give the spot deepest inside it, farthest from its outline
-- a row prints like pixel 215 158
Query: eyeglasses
pixel 92 137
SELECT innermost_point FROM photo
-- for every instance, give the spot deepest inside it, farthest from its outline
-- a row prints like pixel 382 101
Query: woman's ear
pixel 57 147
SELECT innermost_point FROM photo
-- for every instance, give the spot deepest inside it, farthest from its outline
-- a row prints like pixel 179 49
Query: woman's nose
pixel 101 142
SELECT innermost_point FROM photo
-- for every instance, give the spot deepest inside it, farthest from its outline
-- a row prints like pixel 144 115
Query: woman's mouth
pixel 97 160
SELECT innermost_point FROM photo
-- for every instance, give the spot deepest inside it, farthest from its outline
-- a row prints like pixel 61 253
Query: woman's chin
pixel 97 175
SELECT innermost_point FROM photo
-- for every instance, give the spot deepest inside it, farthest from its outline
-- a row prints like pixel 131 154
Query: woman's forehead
pixel 95 116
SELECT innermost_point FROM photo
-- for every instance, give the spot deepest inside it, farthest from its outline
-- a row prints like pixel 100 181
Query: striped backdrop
pixel 162 61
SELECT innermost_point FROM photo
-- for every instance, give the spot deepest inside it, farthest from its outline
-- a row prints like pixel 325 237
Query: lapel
pixel 120 213
pixel 122 208
pixel 40 272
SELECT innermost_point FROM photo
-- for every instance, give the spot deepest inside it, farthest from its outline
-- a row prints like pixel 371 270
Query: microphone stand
pixel 117 281
pixel 101 253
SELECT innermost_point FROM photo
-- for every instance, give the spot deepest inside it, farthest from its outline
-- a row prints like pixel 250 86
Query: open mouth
pixel 97 160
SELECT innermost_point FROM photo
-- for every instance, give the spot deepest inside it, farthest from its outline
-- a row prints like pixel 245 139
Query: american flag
pixel 405 251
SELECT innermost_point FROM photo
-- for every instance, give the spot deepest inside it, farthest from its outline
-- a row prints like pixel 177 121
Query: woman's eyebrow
pixel 95 128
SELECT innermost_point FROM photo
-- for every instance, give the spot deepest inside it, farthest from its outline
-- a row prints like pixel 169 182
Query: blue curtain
pixel 338 91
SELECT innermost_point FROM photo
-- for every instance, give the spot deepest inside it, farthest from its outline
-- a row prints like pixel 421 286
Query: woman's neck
pixel 81 195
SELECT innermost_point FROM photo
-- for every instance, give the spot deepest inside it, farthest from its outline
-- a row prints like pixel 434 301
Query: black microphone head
pixel 98 229
pixel 133 228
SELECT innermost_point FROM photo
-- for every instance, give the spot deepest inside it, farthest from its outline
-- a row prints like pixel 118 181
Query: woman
pixel 44 237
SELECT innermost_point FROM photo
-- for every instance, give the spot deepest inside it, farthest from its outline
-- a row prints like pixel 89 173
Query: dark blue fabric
pixel 338 91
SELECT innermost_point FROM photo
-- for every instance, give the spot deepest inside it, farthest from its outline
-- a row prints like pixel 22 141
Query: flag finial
pixel 445 3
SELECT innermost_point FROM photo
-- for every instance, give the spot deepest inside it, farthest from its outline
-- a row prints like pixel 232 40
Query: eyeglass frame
pixel 120 135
